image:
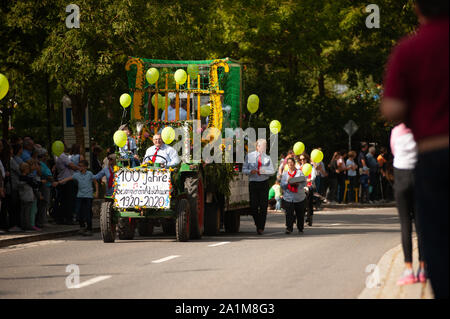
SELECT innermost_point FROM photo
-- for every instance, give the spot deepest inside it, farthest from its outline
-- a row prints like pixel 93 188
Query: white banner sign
pixel 140 188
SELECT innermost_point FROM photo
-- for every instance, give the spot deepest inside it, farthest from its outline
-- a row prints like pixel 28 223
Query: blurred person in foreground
pixel 417 93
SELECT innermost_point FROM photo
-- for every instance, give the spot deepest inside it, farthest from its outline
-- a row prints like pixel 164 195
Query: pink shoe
pixel 406 279
pixel 421 276
pixel 36 228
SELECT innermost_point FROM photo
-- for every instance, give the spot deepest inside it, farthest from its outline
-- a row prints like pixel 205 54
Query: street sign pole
pixel 350 128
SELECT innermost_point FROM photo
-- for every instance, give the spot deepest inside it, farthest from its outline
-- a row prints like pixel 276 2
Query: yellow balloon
pixel 253 99
pixel 275 126
pixel 4 86
pixel 152 75
pixel 161 101
pixel 168 135
pixel 205 110
pixel 125 100
pixel 316 156
pixel 252 107
pixel 120 138
pixel 299 148
pixel 307 169
pixel 57 148
pixel 180 76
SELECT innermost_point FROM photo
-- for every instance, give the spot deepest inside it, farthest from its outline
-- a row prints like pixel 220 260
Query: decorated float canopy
pixel 189 84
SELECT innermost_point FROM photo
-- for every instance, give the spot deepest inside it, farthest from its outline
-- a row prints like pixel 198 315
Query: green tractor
pixel 191 199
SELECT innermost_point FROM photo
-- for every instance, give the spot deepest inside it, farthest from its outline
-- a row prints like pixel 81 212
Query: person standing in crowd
pixel 96 163
pixel 172 112
pixel 28 188
pixel 373 174
pixel 351 174
pixel 277 194
pixel 108 173
pixel 293 197
pixel 321 176
pixel 65 168
pixel 75 154
pixel 130 148
pixel 382 160
pixel 258 165
pixel 333 178
pixel 404 149
pixel 15 162
pixel 28 146
pixel 45 189
pixel 309 188
pixel 341 175
pixel 417 93
pixel 84 179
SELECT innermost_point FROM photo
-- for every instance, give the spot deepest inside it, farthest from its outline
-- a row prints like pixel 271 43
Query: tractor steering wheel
pixel 151 156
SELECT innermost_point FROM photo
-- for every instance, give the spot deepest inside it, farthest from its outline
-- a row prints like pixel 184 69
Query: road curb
pixel 41 236
pixel 389 268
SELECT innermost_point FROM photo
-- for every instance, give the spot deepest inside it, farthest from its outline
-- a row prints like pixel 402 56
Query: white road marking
pixel 90 282
pixel 219 244
pixel 164 259
pixel 334 224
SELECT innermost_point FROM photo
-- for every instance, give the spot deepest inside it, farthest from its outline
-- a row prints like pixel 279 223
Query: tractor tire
pixel 168 227
pixel 232 222
pixel 107 225
pixel 145 227
pixel 182 222
pixel 212 219
pixel 193 186
pixel 126 228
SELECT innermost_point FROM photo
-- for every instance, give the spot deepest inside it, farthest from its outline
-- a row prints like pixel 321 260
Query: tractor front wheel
pixel 107 225
pixel 182 222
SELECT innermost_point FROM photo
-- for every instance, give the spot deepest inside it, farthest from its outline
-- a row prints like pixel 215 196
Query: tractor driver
pixel 160 152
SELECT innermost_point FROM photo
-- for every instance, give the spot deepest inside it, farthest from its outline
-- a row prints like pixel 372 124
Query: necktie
pixel 111 177
pixel 259 163
pixel 154 155
pixel 292 188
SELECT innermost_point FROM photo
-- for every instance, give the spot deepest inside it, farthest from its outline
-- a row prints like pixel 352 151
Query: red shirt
pixel 418 74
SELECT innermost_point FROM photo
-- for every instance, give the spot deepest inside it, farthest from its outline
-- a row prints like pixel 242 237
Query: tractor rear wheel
pixel 193 186
pixel 145 227
pixel 107 225
pixel 126 228
pixel 182 222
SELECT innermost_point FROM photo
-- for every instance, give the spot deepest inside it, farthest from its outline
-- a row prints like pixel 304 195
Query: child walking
pixel 85 195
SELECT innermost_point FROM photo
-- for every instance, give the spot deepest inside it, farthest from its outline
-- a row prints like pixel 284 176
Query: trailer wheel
pixel 232 221
pixel 212 219
pixel 145 227
pixel 126 228
pixel 193 186
pixel 182 222
pixel 107 225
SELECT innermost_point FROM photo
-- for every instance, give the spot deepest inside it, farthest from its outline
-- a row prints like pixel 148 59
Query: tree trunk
pixel 79 104
pixel 49 122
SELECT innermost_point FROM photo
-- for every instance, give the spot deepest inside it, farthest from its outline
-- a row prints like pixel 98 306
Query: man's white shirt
pixel 165 151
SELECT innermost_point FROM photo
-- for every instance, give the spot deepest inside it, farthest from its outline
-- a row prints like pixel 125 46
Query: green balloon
pixel 57 148
pixel 168 135
pixel 125 100
pixel 275 126
pixel 152 75
pixel 205 110
pixel 192 70
pixel 299 148
pixel 161 101
pixel 180 76
pixel 120 138
pixel 4 86
pixel 252 107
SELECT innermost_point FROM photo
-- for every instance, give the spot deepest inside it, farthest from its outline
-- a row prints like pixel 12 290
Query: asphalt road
pixel 328 261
